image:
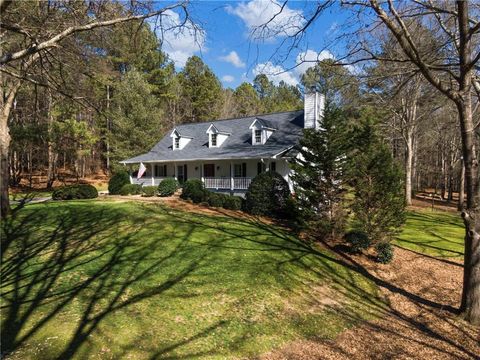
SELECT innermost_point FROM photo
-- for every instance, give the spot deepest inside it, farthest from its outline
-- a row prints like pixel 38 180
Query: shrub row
pixel 131 189
pixel 193 190
pixel 79 191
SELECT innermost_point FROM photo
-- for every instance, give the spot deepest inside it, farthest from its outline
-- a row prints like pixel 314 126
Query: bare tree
pixel 28 45
pixel 455 29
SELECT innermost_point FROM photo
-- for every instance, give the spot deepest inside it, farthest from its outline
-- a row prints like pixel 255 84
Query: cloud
pixel 304 61
pixel 228 78
pixel 275 73
pixel 233 59
pixel 179 42
pixel 308 59
pixel 266 20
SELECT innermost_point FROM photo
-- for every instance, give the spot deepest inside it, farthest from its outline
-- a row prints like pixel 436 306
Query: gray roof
pixel 288 125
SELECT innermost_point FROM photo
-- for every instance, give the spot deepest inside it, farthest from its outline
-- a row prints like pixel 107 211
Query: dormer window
pixel 258 136
pixel 179 140
pixel 217 135
pixel 261 131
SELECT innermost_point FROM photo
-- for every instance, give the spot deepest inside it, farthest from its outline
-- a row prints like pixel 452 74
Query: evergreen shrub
pixel 167 187
pixel 117 181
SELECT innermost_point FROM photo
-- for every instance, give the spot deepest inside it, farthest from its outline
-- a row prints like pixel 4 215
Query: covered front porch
pixel 219 175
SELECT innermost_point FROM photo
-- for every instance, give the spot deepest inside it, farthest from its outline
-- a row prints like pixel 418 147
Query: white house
pixel 227 154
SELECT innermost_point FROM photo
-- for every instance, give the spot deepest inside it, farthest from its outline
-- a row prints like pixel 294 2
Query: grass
pixel 434 233
pixel 93 279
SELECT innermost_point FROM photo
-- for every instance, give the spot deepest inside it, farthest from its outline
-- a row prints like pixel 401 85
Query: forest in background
pixel 121 94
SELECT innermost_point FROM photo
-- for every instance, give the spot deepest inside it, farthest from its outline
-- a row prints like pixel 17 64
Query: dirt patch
pixel 419 323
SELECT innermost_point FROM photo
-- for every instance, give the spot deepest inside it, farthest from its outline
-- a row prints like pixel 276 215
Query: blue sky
pixel 229 47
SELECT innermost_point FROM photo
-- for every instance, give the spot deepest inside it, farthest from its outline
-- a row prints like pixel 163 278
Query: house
pixel 227 154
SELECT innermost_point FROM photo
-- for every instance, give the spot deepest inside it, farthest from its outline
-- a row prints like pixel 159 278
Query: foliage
pixel 358 240
pixel 138 117
pixel 216 199
pixel 376 180
pixel 384 252
pixel 202 89
pixel 131 189
pixel 336 82
pixel 149 191
pixel 117 181
pixel 268 195
pixel 318 175
pixel 78 191
pixel 167 187
pixel 193 190
pixel 246 100
pixel 233 203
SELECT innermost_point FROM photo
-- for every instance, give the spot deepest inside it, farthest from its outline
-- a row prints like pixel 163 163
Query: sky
pixel 230 46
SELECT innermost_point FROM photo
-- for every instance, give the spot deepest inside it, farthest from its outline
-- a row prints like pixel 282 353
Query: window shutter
pixel 164 170
pixel 259 168
pixel 244 169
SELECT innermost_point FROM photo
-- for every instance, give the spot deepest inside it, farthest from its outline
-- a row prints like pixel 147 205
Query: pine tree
pixel 376 182
pixel 318 172
pixel 202 90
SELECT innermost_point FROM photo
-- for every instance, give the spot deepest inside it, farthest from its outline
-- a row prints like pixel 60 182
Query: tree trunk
pixel 470 304
pixel 6 104
pixel 50 152
pixel 461 190
pixel 408 168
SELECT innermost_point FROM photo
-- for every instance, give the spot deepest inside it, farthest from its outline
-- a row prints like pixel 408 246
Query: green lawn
pixel 435 233
pixel 108 280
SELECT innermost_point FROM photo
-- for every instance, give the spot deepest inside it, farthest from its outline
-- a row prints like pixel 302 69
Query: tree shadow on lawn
pixel 343 282
pixel 41 270
pixel 53 259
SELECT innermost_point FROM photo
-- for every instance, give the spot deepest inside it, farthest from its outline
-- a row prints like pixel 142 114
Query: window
pixel 258 136
pixel 237 170
pixel 214 140
pixel 177 143
pixel 260 167
pixel 240 170
pixel 160 170
pixel 273 166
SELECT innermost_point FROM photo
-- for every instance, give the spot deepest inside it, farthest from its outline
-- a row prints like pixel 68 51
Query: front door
pixel 180 174
pixel 209 170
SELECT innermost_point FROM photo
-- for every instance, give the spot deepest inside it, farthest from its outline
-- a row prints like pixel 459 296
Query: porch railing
pixel 147 180
pixel 241 183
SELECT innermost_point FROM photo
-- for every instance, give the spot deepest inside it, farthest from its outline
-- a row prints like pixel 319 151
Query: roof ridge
pixel 237 118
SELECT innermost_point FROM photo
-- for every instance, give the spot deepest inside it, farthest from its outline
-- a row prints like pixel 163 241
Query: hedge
pixel 233 203
pixel 79 191
pixel 131 189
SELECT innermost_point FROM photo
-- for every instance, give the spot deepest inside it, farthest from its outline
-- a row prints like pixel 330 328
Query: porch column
pixel 202 177
pixel 175 171
pixel 130 173
pixel 231 176
pixel 153 174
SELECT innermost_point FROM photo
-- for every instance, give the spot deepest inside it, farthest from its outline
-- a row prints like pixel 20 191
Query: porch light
pixel 218 167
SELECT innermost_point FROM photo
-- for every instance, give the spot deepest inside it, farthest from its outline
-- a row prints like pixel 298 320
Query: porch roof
pixel 238 145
